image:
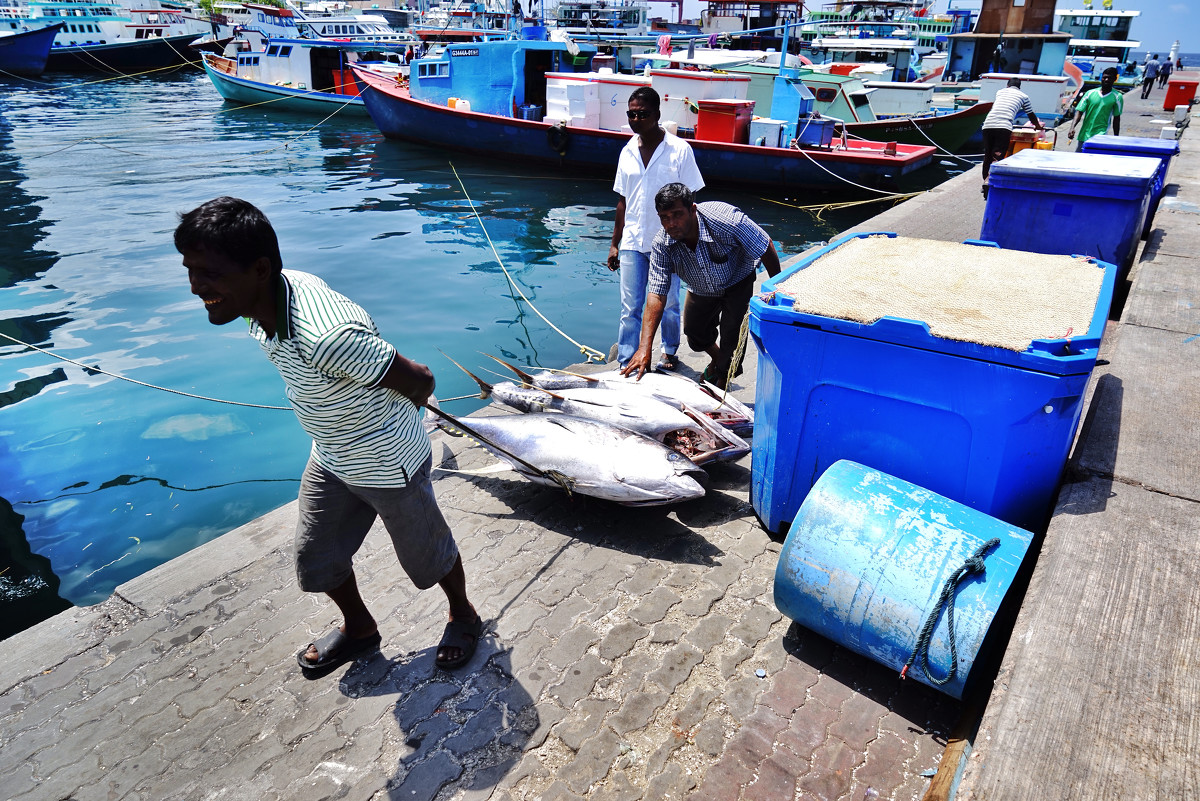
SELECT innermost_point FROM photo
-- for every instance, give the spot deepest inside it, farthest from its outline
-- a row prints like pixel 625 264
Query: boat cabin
pixel 1103 33
pixel 603 17
pixel 496 77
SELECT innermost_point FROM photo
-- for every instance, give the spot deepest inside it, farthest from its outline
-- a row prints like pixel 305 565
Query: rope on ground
pixel 824 207
pixel 589 353
pixel 973 564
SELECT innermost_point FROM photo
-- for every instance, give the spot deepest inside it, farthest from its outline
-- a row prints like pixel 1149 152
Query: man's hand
pixel 614 258
pixel 640 362
pixel 1070 133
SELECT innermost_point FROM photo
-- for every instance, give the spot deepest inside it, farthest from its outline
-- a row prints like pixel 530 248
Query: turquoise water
pixel 108 479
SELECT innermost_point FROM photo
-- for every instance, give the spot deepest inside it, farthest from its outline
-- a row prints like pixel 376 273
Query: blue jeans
pixel 635 272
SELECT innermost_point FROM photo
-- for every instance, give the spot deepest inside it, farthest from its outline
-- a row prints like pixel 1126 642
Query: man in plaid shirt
pixel 715 249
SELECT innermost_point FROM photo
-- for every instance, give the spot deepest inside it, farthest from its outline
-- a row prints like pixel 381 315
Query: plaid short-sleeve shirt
pixel 729 249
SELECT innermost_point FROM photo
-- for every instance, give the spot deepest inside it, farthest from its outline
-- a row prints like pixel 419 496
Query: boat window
pixel 826 95
pixel 285 51
pixel 273 50
pixel 860 99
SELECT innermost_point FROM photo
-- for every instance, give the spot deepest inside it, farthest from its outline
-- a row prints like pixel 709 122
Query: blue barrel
pixel 865 561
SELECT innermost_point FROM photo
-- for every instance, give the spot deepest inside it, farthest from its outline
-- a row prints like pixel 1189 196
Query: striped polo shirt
pixel 331 358
pixel 1010 101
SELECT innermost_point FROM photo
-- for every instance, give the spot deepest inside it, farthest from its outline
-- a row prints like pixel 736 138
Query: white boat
pixel 305 75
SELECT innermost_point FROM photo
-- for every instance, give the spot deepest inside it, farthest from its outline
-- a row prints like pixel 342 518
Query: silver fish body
pixel 703 398
pixel 599 459
pixel 684 430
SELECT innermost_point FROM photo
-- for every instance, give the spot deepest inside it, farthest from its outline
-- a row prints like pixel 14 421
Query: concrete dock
pixel 637 654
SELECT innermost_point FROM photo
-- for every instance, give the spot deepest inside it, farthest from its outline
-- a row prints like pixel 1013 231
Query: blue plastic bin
pixel 865 562
pixel 1162 149
pixel 1047 201
pixel 984 426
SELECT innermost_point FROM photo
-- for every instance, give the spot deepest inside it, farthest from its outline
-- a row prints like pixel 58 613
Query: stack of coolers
pixel 1089 204
pixel 611 93
pixel 916 402
pixel 574 101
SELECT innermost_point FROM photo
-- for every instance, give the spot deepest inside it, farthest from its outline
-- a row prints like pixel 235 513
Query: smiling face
pixel 230 290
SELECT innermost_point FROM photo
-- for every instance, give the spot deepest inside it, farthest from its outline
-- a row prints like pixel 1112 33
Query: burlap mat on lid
pixel 1002 298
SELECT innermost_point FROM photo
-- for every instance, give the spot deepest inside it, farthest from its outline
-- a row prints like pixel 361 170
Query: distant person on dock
pixel 360 401
pixel 650 160
pixel 1096 108
pixel 1010 102
pixel 1149 73
pixel 1164 73
pixel 716 249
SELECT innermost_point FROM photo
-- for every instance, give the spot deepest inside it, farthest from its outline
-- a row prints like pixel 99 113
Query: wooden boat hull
pixel 399 116
pixel 25 53
pixel 126 56
pixel 947 131
pixel 281 98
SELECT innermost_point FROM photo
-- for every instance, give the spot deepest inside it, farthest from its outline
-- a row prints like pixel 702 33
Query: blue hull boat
pixel 25 53
pixel 124 56
pixel 401 116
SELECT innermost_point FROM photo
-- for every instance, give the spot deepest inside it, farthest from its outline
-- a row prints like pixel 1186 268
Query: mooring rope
pixel 589 353
pixel 973 564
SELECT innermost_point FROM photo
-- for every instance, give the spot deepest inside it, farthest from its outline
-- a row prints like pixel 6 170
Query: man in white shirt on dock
pixel 652 159
pixel 998 125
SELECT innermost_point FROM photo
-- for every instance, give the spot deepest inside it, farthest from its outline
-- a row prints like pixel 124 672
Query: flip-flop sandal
pixel 668 361
pixel 462 634
pixel 335 648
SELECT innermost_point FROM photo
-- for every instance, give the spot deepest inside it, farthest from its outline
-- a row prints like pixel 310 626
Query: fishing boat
pixel 879 111
pixel 1099 40
pixel 24 53
pixel 305 75
pixel 601 18
pixel 462 21
pixel 100 36
pixel 490 98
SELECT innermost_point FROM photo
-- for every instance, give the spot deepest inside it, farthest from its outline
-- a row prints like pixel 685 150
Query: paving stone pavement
pixel 621 661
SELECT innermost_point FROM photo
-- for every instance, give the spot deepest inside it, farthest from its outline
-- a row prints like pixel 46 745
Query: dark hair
pixel 671 194
pixel 647 97
pixel 1014 82
pixel 1113 70
pixel 229 227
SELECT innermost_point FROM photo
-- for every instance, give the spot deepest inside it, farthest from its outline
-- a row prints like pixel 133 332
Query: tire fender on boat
pixel 557 137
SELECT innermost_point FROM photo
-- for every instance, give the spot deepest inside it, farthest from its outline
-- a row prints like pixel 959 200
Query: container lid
pixel 725 102
pixel 1043 312
pixel 1088 168
pixel 1108 143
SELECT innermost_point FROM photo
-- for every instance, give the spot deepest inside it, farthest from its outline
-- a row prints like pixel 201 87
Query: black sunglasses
pixel 639 115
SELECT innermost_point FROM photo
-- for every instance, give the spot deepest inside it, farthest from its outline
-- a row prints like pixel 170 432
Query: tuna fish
pixel 692 434
pixel 587 456
pixel 668 387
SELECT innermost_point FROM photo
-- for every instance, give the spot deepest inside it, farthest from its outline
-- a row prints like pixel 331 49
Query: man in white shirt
pixel 652 159
pixel 998 125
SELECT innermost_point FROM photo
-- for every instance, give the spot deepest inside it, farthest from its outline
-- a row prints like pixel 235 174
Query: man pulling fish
pixel 359 399
pixel 715 249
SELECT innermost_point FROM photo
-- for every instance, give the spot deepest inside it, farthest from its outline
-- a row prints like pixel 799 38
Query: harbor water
pixel 102 479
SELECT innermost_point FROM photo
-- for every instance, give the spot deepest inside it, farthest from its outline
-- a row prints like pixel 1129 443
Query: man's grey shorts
pixel 335 518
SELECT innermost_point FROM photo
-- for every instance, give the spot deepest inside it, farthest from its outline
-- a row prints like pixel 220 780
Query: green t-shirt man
pixel 1096 107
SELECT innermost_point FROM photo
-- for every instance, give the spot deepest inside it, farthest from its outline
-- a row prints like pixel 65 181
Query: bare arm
pixel 614 249
pixel 1074 122
pixel 1116 120
pixel 1033 119
pixel 770 260
pixel 651 317
pixel 411 379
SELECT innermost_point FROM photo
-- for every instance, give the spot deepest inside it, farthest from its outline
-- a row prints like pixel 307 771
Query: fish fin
pixel 524 376
pixel 485 389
